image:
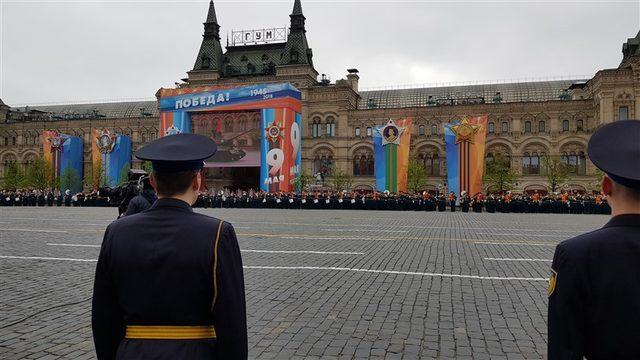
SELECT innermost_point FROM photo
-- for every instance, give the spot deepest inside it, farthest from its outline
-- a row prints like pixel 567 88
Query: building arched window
pixel 526 163
pixel 315 127
pixel 228 126
pixel 13 140
pixel 488 158
pixel 491 128
pixel 369 131
pixel 434 129
pixel 565 125
pixel 143 138
pixel 542 126
pixel 527 126
pixel 582 164
pixel 421 130
pixel 535 164
pixel 331 126
pixel 431 163
pixel 356 132
pixel 363 163
pixel 575 162
pixel 323 163
pixel 504 127
pixel 580 125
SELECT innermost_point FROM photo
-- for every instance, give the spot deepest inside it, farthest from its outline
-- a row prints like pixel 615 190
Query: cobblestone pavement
pixel 320 284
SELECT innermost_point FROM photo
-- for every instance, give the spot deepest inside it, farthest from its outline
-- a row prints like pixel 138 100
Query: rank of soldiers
pixel 564 203
pixel 506 203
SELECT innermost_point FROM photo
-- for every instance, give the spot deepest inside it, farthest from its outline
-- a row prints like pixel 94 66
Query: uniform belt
pixel 170 332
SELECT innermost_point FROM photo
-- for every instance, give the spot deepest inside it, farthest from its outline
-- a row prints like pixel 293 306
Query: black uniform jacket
pixel 141 202
pixel 156 268
pixel 594 294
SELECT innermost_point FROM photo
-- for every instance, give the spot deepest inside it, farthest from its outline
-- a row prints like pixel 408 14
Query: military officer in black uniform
pixel 169 281
pixel 594 288
pixel 144 199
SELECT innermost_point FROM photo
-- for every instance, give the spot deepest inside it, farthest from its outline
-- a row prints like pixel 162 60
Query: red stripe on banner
pixel 166 120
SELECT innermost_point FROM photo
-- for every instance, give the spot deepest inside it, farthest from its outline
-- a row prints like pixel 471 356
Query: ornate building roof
pixel 113 110
pixel 466 94
pixel 629 49
pixel 259 59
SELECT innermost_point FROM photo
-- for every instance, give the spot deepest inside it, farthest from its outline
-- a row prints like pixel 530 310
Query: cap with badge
pixel 615 149
pixel 177 153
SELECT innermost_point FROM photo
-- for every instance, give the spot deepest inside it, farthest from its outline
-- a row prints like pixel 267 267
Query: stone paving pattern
pixel 345 313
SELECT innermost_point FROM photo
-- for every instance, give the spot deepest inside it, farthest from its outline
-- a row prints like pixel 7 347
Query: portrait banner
pixel 391 144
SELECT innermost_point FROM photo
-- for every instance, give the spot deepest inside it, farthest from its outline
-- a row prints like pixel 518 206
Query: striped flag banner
pixel 391 144
pixel 465 145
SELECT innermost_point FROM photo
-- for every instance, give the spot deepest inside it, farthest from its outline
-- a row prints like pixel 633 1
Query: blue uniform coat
pixel 157 268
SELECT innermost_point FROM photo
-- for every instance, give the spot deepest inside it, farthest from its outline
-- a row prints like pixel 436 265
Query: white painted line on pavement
pixel 512 243
pixel 361 230
pixel 304 252
pixel 249 250
pixel 75 245
pixel 45 258
pixel 34 230
pixel 517 259
pixel 477 277
pixel 394 272
pixel 520 234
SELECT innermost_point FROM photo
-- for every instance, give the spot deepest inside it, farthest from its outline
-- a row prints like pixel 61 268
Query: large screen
pixel 237 134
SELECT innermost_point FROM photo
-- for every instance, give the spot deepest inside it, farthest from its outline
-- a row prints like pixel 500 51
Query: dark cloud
pixel 74 51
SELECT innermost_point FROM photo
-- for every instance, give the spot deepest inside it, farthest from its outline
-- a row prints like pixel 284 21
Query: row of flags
pixel 464 143
pixel 110 155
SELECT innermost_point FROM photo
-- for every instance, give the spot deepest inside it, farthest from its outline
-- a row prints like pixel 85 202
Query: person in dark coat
pixel 452 201
pixel 144 199
pixel 169 282
pixel 594 288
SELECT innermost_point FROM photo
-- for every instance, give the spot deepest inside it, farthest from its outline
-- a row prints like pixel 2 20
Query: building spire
pixel 211 16
pixel 210 54
pixel 297 18
pixel 297 49
pixel 211 27
pixel 297 8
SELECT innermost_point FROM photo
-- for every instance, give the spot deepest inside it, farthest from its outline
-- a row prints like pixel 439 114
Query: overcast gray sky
pixel 68 51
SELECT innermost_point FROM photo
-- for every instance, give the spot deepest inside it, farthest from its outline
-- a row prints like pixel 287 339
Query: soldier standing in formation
pixel 594 288
pixel 169 281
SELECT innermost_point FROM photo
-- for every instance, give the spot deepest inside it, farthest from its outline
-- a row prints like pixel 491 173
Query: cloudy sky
pixel 72 51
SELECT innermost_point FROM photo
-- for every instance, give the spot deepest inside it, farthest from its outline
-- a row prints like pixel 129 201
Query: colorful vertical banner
pixel 281 150
pixel 391 143
pixel 64 153
pixel 465 144
pixel 111 158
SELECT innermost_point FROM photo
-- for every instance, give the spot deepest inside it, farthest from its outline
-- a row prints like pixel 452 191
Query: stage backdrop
pixel 111 157
pixel 391 144
pixel 465 143
pixel 64 153
pixel 202 110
